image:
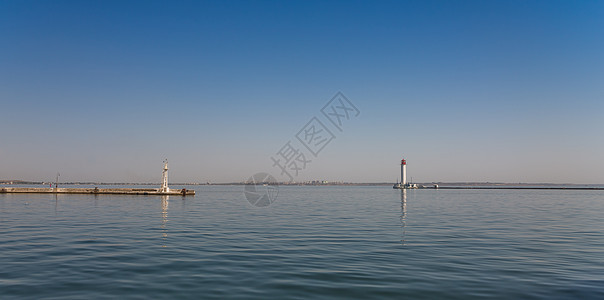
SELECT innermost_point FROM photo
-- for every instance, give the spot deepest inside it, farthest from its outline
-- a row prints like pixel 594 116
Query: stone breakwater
pixel 118 191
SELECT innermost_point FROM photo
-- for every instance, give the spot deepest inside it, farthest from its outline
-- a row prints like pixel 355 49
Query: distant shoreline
pixel 450 184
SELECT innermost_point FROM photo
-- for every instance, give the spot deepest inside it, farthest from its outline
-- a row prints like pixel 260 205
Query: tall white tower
pixel 403 172
pixel 164 178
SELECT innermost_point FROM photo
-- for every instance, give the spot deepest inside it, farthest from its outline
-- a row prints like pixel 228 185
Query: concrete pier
pixel 503 187
pixel 163 190
pixel 515 188
pixel 118 191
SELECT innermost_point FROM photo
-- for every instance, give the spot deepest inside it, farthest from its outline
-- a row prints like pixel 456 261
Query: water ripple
pixel 314 242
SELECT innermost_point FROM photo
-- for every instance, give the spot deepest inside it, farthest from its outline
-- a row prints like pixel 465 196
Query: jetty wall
pixel 116 191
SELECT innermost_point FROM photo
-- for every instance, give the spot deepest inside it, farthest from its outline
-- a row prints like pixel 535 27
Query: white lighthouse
pixel 404 184
pixel 403 172
pixel 164 179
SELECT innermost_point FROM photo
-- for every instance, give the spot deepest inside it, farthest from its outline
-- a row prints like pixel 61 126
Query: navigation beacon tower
pixel 403 172
pixel 164 179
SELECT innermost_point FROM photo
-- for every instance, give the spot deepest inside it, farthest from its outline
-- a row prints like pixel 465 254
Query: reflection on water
pixel 403 215
pixel 164 218
pixel 324 242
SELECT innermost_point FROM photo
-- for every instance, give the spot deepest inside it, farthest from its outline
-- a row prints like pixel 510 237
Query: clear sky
pixel 500 91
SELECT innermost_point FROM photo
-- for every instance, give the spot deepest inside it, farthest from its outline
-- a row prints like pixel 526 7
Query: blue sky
pixel 500 91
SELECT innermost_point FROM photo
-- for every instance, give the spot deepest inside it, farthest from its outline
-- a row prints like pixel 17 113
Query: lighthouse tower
pixel 164 179
pixel 403 172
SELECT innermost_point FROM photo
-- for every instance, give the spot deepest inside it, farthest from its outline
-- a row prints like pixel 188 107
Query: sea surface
pixel 323 242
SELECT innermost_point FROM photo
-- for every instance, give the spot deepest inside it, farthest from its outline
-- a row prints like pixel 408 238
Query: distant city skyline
pixel 466 91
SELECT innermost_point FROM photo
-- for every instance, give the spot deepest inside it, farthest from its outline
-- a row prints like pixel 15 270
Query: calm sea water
pixel 313 242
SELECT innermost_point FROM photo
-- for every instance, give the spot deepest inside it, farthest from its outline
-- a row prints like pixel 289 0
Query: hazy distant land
pixel 306 183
